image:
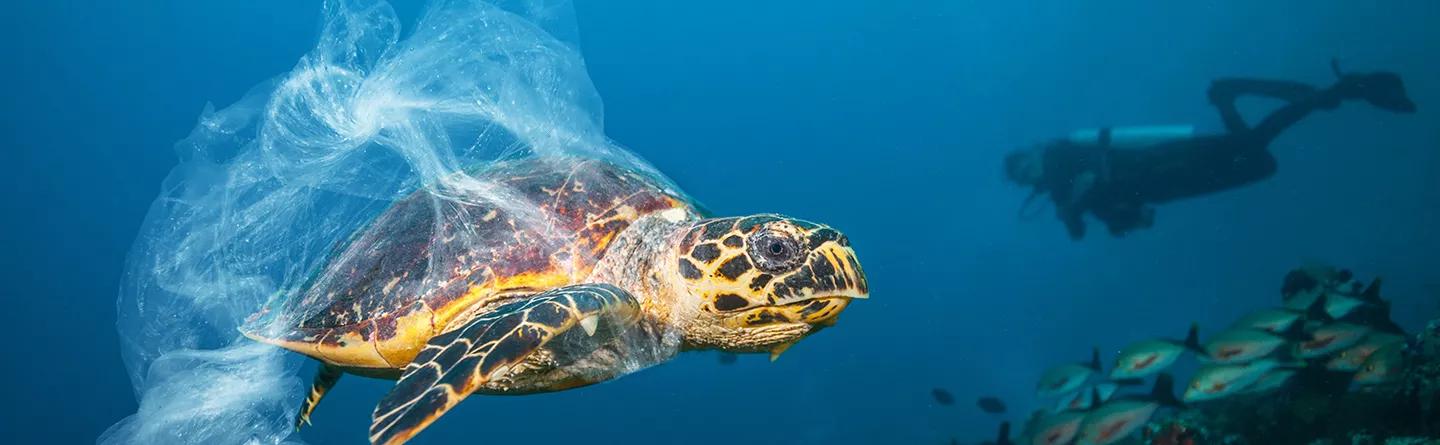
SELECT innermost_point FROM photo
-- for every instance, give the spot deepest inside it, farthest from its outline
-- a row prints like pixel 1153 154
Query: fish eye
pixel 774 252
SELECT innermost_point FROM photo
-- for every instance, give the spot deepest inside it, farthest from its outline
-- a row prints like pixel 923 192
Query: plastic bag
pixel 271 185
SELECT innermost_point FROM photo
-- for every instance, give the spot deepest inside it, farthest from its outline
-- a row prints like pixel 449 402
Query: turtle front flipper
pixel 325 379
pixel 455 364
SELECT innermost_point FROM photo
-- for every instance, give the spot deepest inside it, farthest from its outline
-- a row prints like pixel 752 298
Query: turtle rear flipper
pixel 325 379
pixel 455 364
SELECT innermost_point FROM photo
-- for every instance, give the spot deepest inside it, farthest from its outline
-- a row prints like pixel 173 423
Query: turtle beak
pixel 839 280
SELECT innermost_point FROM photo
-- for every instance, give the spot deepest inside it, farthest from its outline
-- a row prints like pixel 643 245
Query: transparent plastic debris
pixel 270 188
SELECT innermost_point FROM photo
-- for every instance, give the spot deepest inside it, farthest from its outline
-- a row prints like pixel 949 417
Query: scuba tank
pixel 1132 137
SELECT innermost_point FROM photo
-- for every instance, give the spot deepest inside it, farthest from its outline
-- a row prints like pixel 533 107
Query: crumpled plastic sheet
pixel 268 187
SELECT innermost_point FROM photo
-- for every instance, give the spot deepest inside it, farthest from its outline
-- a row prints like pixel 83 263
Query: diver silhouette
pixel 1116 174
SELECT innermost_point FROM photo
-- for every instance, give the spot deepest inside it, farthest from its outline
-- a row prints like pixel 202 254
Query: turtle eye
pixel 774 252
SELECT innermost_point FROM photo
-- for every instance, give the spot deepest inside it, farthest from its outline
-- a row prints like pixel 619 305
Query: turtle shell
pixel 428 262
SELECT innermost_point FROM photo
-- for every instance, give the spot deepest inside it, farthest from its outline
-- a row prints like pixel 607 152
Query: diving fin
pixel 1385 90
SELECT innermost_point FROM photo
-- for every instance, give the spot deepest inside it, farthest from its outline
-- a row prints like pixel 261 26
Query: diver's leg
pixel 1223 93
pixel 1286 90
pixel 1288 115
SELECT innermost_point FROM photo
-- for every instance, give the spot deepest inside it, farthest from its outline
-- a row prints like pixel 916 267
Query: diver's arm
pixel 1125 217
pixel 1070 208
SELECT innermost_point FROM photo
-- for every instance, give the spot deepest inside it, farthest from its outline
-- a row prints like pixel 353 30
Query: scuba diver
pixel 1117 174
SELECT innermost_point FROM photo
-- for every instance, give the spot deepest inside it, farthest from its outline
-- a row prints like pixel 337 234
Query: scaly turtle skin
pixel 453 295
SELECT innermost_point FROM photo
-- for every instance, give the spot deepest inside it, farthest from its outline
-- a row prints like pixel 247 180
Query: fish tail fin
pixel 1164 391
pixel 1095 359
pixel 1317 311
pixel 1295 333
pixel 1387 324
pixel 1383 313
pixel 1288 358
pixel 1292 363
pixel 1192 338
pixel 1372 292
pixel 1003 436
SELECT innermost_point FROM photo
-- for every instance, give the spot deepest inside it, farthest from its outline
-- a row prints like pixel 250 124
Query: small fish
pixel 942 396
pixel 1117 419
pixel 1216 381
pixel 991 405
pixel 1002 437
pixel 1383 366
pixel 1329 339
pixel 1352 358
pixel 1375 312
pixel 1271 381
pixel 1303 299
pixel 1146 357
pixel 729 358
pixel 1067 378
pixel 1273 321
pixel 1305 283
pixel 1241 345
pixel 1084 400
pixel 1338 305
pixel 1057 429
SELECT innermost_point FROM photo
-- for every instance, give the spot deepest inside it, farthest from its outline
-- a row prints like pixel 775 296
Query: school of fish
pixel 1328 322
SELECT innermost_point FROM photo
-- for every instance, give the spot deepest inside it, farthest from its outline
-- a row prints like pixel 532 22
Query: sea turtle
pixel 486 298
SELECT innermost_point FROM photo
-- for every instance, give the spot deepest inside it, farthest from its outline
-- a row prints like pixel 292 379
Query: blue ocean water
pixel 885 120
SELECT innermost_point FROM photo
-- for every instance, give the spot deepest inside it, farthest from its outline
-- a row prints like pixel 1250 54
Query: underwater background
pixel 887 120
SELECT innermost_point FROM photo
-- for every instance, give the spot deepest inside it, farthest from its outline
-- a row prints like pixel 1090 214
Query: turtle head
pixel 763 282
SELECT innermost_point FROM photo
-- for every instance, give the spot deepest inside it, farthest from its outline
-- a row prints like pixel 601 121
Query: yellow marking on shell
pixel 353 348
pixel 529 281
pixel 411 332
pixel 600 244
